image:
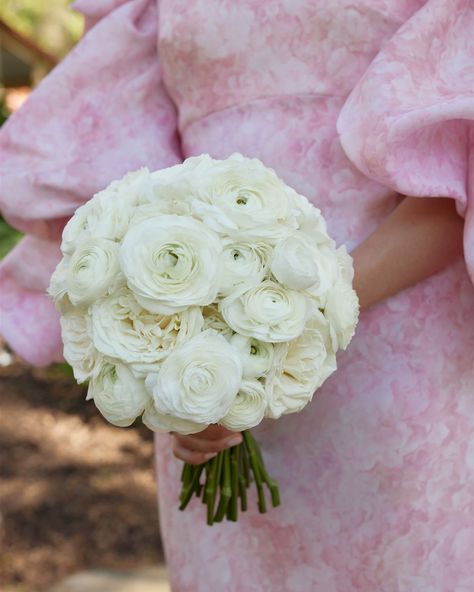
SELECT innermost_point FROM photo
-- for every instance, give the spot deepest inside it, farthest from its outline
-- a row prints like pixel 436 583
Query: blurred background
pixel 76 494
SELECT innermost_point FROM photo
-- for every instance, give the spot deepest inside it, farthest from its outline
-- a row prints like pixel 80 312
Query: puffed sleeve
pixel 102 112
pixel 409 122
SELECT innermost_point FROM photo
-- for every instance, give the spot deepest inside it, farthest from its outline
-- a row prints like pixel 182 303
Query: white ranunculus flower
pixel 173 189
pixel 78 226
pixel 92 269
pixel 328 272
pixel 159 422
pixel 79 351
pixel 172 193
pixel 310 220
pixel 134 188
pixel 171 262
pixel 123 329
pixel 299 368
pixel 244 265
pixel 108 213
pixel 256 356
pixel 199 380
pixel 346 264
pixel 117 394
pixel 57 288
pixel 294 262
pixel 200 165
pixel 342 312
pixel 214 320
pixel 166 204
pixel 241 196
pixel 302 264
pixel 269 312
pixel 248 409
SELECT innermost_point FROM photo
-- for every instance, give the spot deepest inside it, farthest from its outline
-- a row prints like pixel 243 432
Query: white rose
pixel 123 329
pixel 79 351
pixel 248 409
pixel 256 356
pixel 342 312
pixel 159 422
pixel 117 394
pixel 244 265
pixel 299 368
pixel 171 262
pixel 269 312
pixel 294 262
pixel 214 320
pixel 240 195
pixel 108 213
pixel 199 380
pixel 92 270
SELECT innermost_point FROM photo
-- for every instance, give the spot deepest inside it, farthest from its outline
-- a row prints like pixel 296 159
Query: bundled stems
pixel 271 483
pixel 255 465
pixel 227 478
pixel 226 491
pixel 234 456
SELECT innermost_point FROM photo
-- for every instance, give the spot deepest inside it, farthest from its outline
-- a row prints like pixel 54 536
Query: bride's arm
pixel 419 238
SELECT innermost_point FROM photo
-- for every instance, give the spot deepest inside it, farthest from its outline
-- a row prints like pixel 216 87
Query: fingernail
pixel 210 455
pixel 235 441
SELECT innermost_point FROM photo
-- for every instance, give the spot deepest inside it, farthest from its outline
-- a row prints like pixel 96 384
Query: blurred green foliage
pixel 49 23
pixel 54 27
pixel 9 237
pixel 4 112
pixel 60 371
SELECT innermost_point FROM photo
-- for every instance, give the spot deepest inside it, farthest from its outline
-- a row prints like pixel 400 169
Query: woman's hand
pixel 196 449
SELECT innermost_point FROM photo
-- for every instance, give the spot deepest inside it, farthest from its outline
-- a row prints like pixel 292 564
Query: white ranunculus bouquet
pixel 206 293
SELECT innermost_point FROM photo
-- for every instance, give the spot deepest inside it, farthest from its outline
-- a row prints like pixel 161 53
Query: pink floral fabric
pixel 352 102
pixel 102 112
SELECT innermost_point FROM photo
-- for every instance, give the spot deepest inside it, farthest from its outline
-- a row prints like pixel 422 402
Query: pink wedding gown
pixel 352 102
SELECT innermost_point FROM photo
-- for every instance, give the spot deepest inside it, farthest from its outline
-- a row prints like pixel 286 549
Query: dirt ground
pixel 75 492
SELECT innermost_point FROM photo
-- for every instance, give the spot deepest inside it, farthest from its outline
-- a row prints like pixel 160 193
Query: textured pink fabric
pixel 351 102
pixel 102 112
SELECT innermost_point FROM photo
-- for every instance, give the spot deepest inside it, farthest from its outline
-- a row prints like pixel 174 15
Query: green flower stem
pixel 208 467
pixel 234 460
pixel 255 466
pixel 226 490
pixel 245 465
pixel 228 475
pixel 243 492
pixel 186 473
pixel 199 487
pixel 271 483
pixel 185 479
pixel 204 497
pixel 190 486
pixel 211 486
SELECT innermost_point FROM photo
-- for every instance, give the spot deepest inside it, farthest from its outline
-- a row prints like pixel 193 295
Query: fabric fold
pixel 100 113
pixel 409 122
